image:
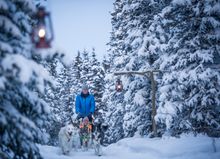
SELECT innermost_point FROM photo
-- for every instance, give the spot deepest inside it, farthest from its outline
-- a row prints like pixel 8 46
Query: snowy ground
pixel 186 147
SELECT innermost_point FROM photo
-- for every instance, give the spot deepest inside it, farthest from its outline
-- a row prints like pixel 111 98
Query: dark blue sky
pixel 80 24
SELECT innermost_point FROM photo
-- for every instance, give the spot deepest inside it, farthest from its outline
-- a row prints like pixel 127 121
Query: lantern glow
pixel 118 86
pixel 41 33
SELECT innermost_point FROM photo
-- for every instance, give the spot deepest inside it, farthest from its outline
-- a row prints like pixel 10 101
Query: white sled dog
pixel 66 136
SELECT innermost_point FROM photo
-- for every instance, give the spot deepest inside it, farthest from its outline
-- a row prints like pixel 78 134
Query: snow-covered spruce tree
pixel 96 78
pixel 119 58
pixel 52 97
pixel 190 94
pixel 61 98
pixel 75 80
pixel 115 111
pixel 96 81
pixel 77 65
pixel 58 98
pixel 86 66
pixel 22 81
pixel 93 65
pixel 64 86
pixel 133 46
pixel 76 70
pixel 141 43
pixel 105 64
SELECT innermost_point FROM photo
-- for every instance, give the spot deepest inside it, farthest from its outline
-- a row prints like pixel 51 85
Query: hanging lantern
pixel 42 34
pixel 118 85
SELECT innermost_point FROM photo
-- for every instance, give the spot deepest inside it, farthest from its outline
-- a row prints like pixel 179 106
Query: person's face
pixel 85 91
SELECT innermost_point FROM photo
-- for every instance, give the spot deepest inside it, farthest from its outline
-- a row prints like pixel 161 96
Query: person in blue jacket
pixel 85 104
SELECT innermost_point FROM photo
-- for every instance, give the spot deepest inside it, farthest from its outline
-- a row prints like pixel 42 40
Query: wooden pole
pixel 153 98
pixel 150 74
pixel 143 73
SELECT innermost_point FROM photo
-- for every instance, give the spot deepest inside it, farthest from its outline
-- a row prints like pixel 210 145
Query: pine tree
pixel 75 83
pixel 65 94
pixel 133 47
pixel 77 63
pixel 52 97
pixel 115 101
pixel 106 64
pixel 190 96
pixel 97 85
pixel 22 112
pixel 86 67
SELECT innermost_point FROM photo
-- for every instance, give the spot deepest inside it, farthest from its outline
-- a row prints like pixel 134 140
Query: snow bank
pixel 186 147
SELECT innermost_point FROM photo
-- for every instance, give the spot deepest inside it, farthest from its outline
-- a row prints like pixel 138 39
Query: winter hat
pixel 85 87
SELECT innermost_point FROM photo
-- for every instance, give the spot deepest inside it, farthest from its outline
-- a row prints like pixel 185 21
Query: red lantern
pixel 118 85
pixel 42 34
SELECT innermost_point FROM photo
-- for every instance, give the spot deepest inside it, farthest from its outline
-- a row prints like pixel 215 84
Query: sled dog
pixel 66 135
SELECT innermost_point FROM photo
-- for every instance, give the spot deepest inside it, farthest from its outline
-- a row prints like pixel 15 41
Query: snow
pixel 181 2
pixel 5 47
pixel 119 60
pixel 127 96
pixel 30 4
pixel 185 147
pixel 2 83
pixel 138 98
pixel 3 5
pixel 9 26
pixel 11 111
pixel 27 68
pixel 212 9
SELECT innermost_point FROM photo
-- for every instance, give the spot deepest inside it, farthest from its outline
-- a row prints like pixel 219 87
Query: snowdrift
pixel 186 147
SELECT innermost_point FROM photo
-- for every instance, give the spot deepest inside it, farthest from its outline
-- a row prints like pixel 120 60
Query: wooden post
pixel 153 98
pixel 150 74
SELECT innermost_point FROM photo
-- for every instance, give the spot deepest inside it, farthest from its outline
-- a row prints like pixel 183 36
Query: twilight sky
pixel 80 24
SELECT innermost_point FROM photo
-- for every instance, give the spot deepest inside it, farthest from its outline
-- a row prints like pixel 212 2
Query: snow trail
pixel 186 147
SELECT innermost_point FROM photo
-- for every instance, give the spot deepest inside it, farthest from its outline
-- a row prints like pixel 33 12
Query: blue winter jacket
pixel 85 105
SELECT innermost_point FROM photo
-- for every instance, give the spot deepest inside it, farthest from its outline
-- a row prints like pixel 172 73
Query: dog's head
pixel 69 130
